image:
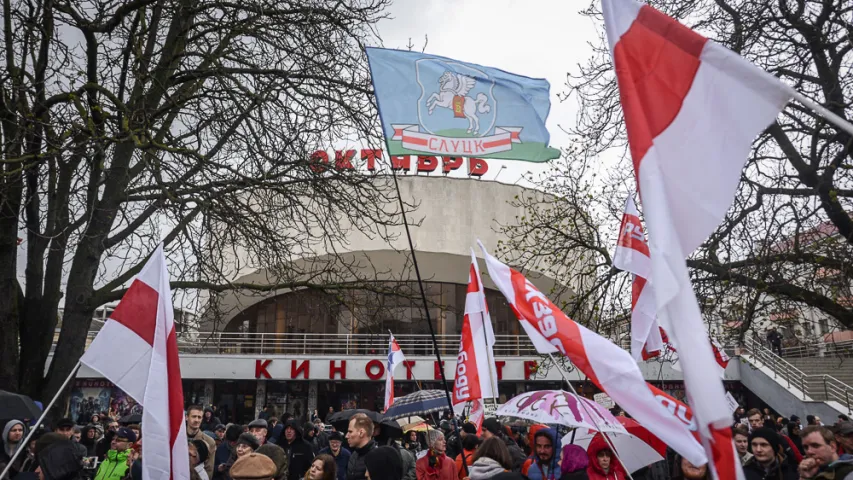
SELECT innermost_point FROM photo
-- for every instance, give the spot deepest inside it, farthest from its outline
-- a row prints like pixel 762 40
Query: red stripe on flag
pixel 137 310
pixel 415 140
pixel 176 393
pixel 637 289
pixel 473 286
pixel 631 234
pixel 497 143
pixel 656 61
pixel 564 328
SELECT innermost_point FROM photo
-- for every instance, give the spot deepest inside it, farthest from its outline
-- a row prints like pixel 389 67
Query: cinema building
pixel 303 350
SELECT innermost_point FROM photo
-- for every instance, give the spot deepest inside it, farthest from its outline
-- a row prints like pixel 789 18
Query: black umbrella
pixel 340 420
pixel 17 407
pixel 130 419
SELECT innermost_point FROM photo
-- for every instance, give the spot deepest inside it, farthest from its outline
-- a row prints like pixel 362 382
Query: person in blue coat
pixel 543 463
pixel 340 453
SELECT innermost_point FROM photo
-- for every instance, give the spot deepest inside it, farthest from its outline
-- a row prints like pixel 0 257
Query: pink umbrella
pixel 564 408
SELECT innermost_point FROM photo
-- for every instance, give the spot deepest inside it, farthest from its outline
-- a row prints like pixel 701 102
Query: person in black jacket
pixel 360 439
pixel 767 462
pixel 299 452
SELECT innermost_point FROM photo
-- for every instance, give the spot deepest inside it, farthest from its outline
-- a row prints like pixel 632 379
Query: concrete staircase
pixel 819 370
pixel 802 385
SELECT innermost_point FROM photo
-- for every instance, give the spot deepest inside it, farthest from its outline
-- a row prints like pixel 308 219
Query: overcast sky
pixel 535 38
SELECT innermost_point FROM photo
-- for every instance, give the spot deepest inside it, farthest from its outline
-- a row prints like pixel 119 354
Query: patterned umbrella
pixel 420 403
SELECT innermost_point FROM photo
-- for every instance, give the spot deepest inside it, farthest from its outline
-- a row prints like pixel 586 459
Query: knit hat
pixel 277 455
pixel 469 428
pixel 771 436
pixel 384 463
pixel 201 447
pixel 232 433
pixel 253 466
pixel 248 439
pixel 336 436
pixel 492 425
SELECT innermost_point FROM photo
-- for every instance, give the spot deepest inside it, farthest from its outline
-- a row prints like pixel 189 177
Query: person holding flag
pixel 395 357
pixel 476 377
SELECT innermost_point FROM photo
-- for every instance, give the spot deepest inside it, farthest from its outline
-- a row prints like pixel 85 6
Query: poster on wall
pixel 95 396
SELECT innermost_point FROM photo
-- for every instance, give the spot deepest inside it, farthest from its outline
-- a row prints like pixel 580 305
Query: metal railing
pixel 335 344
pixel 820 349
pixel 818 387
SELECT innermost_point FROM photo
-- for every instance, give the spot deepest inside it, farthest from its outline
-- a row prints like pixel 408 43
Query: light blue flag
pixel 435 105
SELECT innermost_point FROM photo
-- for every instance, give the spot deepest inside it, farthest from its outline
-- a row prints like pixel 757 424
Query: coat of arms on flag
pixel 435 105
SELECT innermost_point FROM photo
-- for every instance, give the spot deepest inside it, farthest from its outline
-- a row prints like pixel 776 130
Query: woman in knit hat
pixel 246 444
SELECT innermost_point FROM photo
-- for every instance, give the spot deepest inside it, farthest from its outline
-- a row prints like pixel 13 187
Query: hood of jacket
pixel 484 467
pixel 574 458
pixel 556 441
pixel 532 431
pixel 10 448
pixel 297 427
pixel 384 463
pixel 596 445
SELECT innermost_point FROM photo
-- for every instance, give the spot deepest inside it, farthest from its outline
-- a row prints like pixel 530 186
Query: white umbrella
pixel 564 408
pixel 634 451
pixel 403 421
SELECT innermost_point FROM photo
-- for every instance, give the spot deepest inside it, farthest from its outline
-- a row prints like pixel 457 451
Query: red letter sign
pixel 371 365
pixel 303 369
pixel 371 155
pixel 438 369
pixel 261 368
pixel 451 163
pixel 427 163
pixel 342 370
pixel 409 364
pixel 499 366
pixel 530 367
pixel 477 167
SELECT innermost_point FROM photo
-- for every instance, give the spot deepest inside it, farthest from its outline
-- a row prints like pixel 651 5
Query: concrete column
pixel 260 396
pixel 312 398
pixel 208 392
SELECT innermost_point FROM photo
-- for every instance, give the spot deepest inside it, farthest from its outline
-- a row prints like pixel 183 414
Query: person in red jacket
pixel 603 464
pixel 435 465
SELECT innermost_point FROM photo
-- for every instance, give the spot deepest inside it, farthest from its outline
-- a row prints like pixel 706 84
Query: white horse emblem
pixel 453 88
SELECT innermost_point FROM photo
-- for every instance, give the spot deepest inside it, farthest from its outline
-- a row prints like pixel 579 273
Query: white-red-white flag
pixel 670 354
pixel 692 109
pixel 137 350
pixel 605 364
pixel 632 255
pixel 395 357
pixel 476 374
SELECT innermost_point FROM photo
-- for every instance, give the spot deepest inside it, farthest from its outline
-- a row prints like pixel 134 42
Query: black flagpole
pixel 426 310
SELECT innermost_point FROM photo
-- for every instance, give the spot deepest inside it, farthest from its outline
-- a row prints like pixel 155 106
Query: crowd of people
pixel 272 448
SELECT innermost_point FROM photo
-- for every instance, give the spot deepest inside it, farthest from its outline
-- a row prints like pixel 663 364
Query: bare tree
pixel 194 118
pixel 785 249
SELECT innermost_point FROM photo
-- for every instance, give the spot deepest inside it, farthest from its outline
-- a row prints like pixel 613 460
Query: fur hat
pixel 253 466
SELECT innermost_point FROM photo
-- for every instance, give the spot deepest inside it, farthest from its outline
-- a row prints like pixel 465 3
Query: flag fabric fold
pixel 476 376
pixel 632 255
pixel 604 363
pixel 137 350
pixel 692 109
pixel 395 357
